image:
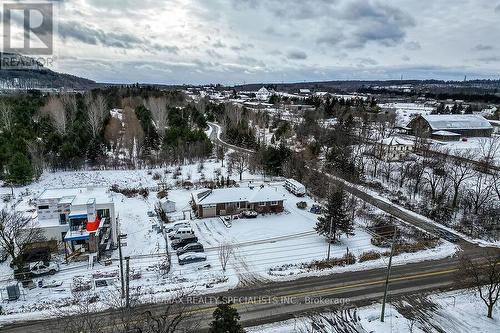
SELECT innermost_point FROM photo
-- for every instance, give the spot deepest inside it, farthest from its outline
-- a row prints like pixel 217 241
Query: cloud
pixel 413 46
pixel 367 61
pixel 361 22
pixel 497 8
pixel 219 44
pixel 296 55
pixel 490 59
pixel 95 36
pixel 483 47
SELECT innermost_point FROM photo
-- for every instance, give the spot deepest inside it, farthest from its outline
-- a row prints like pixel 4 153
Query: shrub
pixel 301 205
pixel 369 255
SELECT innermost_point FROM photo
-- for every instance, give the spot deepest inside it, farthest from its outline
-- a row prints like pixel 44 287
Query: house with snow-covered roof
pixel 462 124
pixel 262 94
pixel 83 218
pixel 393 148
pixel 227 201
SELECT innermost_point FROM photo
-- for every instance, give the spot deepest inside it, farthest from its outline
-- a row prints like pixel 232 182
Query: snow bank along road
pixel 271 302
pixel 360 192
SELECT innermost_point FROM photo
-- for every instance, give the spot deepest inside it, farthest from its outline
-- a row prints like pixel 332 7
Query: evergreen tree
pixel 20 171
pixel 336 212
pixel 225 320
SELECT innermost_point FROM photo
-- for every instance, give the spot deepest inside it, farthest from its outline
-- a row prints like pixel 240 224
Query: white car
pixel 190 257
pixel 42 268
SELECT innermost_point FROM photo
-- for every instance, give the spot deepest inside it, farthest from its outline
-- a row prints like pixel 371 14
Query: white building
pixel 393 148
pixel 84 218
pixel 167 205
pixel 262 94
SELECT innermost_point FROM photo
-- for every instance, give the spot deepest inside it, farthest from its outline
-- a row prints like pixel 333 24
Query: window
pixel 43 207
pixel 102 213
pixel 274 203
pixel 62 219
pixel 262 203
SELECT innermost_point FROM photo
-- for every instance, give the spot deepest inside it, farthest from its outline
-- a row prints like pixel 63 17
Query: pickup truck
pixel 42 268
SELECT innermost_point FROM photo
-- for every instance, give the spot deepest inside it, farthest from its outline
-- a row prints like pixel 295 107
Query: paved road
pixel 272 302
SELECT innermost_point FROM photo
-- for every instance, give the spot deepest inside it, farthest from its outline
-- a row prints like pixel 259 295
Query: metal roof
pixel 445 122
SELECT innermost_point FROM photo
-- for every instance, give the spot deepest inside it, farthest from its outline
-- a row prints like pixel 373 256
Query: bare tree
pixel 489 149
pixel 17 231
pixel 134 135
pixel 55 110
pixel 36 151
pixel 112 132
pixel 226 250
pixel 97 109
pixel 158 108
pixel 480 193
pixel 483 276
pixel 239 162
pixel 5 116
pixel 459 171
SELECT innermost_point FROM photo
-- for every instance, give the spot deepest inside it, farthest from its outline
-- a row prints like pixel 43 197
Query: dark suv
pixel 193 247
pixel 180 242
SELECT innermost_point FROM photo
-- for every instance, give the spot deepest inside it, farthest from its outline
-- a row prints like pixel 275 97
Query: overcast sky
pixel 236 41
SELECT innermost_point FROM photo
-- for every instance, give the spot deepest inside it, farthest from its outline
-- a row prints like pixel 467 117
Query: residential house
pixel 393 148
pixel 227 201
pixel 83 218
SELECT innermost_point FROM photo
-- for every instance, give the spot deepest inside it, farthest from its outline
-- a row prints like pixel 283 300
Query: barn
pixel 461 124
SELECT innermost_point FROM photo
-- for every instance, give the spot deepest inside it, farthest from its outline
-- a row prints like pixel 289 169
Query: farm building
pixel 464 125
pixel 217 202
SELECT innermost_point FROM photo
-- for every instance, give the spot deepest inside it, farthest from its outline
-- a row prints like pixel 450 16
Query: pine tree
pixel 336 212
pixel 225 320
pixel 20 170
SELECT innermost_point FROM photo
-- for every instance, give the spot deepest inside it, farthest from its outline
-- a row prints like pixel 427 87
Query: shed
pixel 445 136
pixel 465 125
pixel 167 205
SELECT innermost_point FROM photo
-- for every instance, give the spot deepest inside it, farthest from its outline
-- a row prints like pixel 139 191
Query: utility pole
pixel 382 314
pixel 330 239
pixel 121 265
pixel 127 289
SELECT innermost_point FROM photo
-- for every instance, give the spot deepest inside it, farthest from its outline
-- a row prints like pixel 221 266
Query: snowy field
pixel 457 312
pixel 261 245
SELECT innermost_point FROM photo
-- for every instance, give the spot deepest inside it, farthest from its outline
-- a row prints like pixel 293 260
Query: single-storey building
pixel 445 136
pixel 227 201
pixel 463 124
pixel 83 218
pixel 393 148
pixel 167 205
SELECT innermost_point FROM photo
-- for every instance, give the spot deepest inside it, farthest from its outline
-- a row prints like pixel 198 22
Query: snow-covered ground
pixel 263 246
pixel 457 312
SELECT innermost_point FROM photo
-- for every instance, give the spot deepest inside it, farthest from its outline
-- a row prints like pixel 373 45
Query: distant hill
pixel 33 75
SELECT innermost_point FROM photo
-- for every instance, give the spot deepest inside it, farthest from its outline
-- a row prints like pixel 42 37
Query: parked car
pixel 188 258
pixel 178 243
pixel 192 247
pixel 315 209
pixel 177 225
pixel 184 232
pixel 42 268
pixel 250 214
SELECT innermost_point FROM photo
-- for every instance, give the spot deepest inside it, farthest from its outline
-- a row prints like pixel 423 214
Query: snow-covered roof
pixel 77 196
pixel 445 133
pixel 263 90
pixel 236 194
pixel 304 91
pixel 456 121
pixel 394 140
